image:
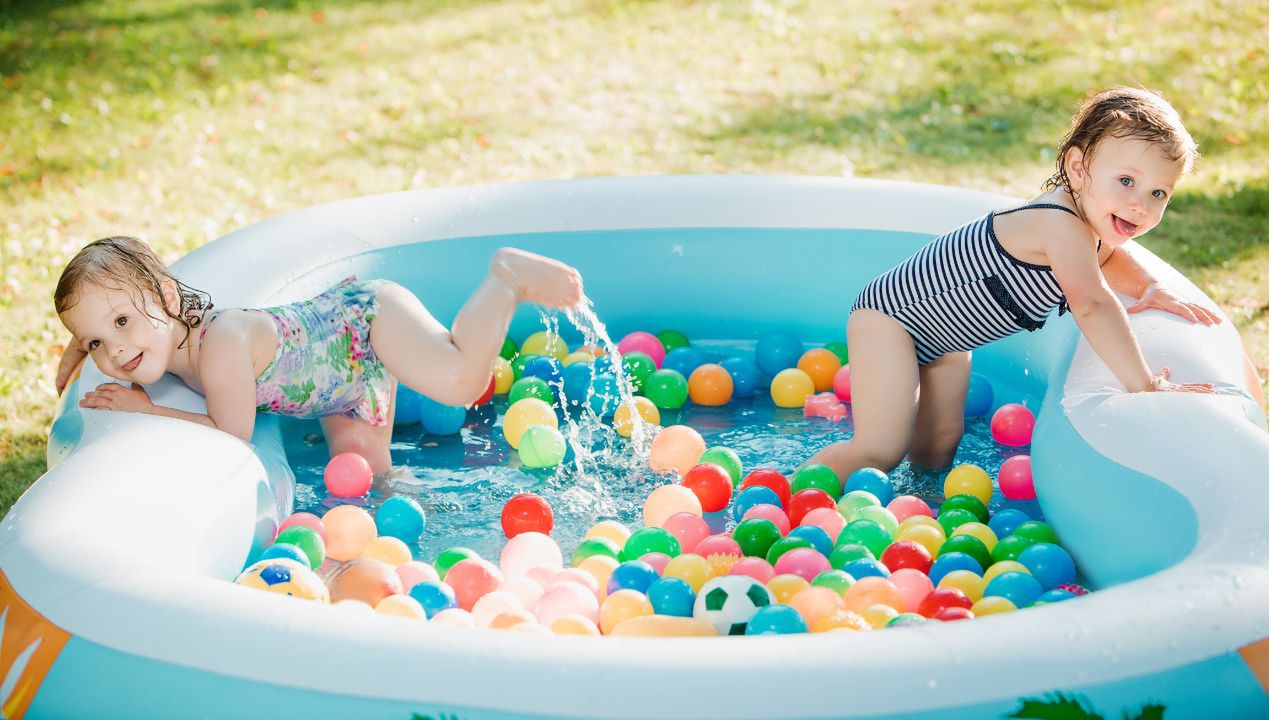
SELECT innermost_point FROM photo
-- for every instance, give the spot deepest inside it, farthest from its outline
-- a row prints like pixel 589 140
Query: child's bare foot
pixel 538 279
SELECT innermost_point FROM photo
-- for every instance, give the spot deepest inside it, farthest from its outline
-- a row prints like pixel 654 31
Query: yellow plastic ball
pixel 600 567
pixel 923 520
pixel 1004 566
pixel 623 605
pixel 610 529
pixel 967 581
pixel 284 577
pixel 532 628
pixel 669 500
pixel 878 616
pixel 676 448
pixel 978 530
pixel 524 414
pixel 924 535
pixel 691 569
pixel 401 606
pixel 574 624
pixel 387 549
pixel 786 587
pixel 594 351
pixel 790 387
pixel 546 344
pixel 841 620
pixel 504 376
pixel 968 480
pixel 647 410
pixel 576 357
pixel 992 606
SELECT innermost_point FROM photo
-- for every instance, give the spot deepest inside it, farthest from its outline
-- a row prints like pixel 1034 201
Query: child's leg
pixel 1253 379
pixel 940 420
pixel 349 434
pixel 883 386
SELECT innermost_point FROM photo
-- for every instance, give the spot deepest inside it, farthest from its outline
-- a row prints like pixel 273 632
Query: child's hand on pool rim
pixel 1162 298
pixel 113 396
pixel 538 279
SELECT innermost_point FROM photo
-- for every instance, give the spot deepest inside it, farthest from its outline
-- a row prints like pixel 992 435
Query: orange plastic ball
pixel 574 625
pixel 816 603
pixel 870 591
pixel 667 501
pixel 348 530
pixel 821 365
pixel 676 448
pixel 841 620
pixel 510 618
pixel 366 580
pixel 710 385
pixel 621 606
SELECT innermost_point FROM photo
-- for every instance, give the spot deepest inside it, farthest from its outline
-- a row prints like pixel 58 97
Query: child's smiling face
pixel 123 335
pixel 1124 187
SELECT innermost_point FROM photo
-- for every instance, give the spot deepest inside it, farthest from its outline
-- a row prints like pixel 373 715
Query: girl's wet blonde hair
pixel 1125 112
pixel 125 262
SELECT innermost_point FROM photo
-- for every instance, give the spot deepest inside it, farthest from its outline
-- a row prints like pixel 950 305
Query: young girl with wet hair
pixel 337 356
pixel 911 330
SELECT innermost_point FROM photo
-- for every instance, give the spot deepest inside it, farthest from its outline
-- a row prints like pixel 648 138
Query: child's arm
pixel 1100 316
pixel 1125 274
pixel 72 356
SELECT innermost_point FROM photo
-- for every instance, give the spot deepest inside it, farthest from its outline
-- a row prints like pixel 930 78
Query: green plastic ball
pixel 638 366
pixel 594 546
pixel 542 446
pixel 867 533
pixel 847 552
pixel 836 580
pixel 817 476
pixel 531 387
pixel 906 619
pixel 785 544
pixel 839 349
pixel 755 536
pixel 1010 548
pixel 667 389
pixel 509 350
pixel 966 502
pixel 306 539
pixel 727 459
pixel 672 339
pixel 881 516
pixel 969 545
pixel 850 503
pixel 1038 531
pixel 452 557
pixel 517 365
pixel 647 540
pixel 954 518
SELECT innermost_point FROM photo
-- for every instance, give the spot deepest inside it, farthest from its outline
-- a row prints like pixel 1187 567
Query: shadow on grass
pixel 23 464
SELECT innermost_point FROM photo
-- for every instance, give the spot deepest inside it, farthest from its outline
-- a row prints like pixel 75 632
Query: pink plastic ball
pixel 657 560
pixel 645 343
pixel 717 545
pixel 566 598
pixel 528 550
pixel 577 576
pixel 804 562
pixel 543 575
pixel 472 579
pixel 1012 425
pixel 772 513
pixel 1015 478
pixel 913 585
pixel 348 475
pixel 688 529
pixel 414 572
pixel 906 506
pixel 529 591
pixel 308 520
pixel 827 519
pixel 754 567
pixel 841 383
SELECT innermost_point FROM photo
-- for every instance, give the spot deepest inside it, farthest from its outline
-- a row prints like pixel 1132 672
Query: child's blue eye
pixel 121 321
pixel 1125 181
pixel 1159 194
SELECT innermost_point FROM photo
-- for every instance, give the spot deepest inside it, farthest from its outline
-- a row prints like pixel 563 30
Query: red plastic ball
pixel 488 394
pixel 527 512
pixel 954 613
pixel 711 484
pixel 941 599
pixel 768 478
pixel 907 554
pixel 472 579
pixel 804 501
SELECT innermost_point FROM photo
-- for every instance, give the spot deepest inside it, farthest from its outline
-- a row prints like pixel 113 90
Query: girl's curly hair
pixel 124 262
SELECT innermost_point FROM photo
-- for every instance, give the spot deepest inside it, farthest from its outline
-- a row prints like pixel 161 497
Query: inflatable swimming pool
pixel 116 564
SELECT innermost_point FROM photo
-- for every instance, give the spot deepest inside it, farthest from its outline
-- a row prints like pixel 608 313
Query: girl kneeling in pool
pixel 911 330
pixel 337 356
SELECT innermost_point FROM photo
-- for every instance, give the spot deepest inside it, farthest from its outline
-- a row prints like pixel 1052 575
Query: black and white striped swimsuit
pixel 964 290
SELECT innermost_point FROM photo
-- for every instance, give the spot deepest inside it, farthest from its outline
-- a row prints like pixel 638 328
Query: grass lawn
pixel 180 120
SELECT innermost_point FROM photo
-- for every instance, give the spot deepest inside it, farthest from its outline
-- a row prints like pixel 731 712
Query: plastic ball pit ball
pixel 348 475
pixel 711 484
pixel 439 419
pixel 979 397
pixel 744 374
pixel 364 579
pixel 683 360
pixel 546 344
pixel 348 529
pixel 821 366
pixel 725 458
pixel 647 411
pixel 676 448
pixel 667 389
pixel 968 480
pixel 673 339
pixel 1015 478
pixel 841 383
pixel 777 351
pixel 772 479
pixel 667 501
pixel 1012 425
pixel 542 446
pixel 527 512
pixel 307 540
pixel 284 577
pixel 710 385
pixel 401 517
pixel 524 414
pixel 645 343
pixel 530 387
pixel 790 387
pixel 729 602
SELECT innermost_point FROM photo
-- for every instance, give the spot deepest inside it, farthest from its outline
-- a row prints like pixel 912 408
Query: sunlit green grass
pixel 179 121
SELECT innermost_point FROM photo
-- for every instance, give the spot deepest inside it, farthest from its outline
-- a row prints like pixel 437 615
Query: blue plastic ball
pixel 605 395
pixel 402 518
pixel 547 368
pixel 776 620
pixel 1053 596
pixel 441 419
pixel 434 596
pixel 1049 564
pixel 409 403
pixel 863 567
pixel 777 351
pixel 684 360
pixel 1017 587
pixel 751 496
pixel 287 551
pixel 577 381
pixel 745 377
pixel 980 397
pixel 672 596
pixel 632 575
pixel 872 480
pixel 950 562
pixel 819 539
pixel 1005 521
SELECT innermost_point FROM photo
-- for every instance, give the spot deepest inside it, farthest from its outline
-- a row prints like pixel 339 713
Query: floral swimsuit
pixel 324 364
